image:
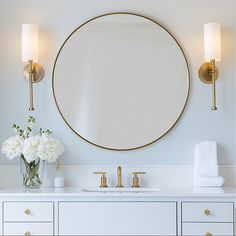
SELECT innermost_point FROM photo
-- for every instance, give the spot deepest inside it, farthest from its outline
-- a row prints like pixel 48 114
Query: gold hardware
pixel 103 179
pixel 136 179
pixel 119 174
pixel 27 211
pixel 208 74
pixel 27 233
pixel 208 234
pixel 207 212
pixel 205 73
pixel 33 72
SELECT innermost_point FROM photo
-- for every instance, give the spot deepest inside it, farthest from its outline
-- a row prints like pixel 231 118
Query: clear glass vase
pixel 32 173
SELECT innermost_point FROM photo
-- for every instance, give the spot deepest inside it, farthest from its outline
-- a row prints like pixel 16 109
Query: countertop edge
pixel 226 192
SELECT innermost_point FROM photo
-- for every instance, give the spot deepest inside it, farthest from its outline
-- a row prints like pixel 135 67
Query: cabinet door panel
pixel 117 218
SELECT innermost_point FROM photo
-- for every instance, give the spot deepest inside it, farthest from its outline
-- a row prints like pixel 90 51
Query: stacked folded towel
pixel 206 170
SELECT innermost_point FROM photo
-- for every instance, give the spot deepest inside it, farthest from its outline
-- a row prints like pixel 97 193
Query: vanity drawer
pixel 207 229
pixel 28 229
pixel 28 211
pixel 207 212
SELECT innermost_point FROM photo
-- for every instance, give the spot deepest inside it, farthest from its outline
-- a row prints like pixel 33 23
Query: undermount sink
pixel 121 190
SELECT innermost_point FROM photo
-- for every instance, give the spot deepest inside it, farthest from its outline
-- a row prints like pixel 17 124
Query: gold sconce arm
pixel 31 75
pixel 208 74
pixel 213 72
pixel 33 72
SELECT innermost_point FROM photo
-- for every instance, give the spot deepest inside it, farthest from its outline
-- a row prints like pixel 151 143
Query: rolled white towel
pixel 208 181
pixel 206 160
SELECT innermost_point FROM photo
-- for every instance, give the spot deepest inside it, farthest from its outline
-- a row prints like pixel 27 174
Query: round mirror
pixel 121 81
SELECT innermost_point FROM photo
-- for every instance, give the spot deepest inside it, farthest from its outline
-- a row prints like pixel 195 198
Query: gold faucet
pixel 119 174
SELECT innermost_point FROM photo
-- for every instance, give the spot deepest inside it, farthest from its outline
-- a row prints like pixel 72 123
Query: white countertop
pixel 78 192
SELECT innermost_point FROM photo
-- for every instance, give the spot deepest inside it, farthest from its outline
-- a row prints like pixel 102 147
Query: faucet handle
pixel 139 173
pixel 136 179
pixel 103 179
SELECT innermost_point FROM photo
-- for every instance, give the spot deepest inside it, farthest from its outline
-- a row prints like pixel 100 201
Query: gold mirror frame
pixel 188 71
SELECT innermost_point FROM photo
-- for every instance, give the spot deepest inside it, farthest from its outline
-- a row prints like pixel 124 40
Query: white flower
pixel 30 149
pixel 13 147
pixel 49 148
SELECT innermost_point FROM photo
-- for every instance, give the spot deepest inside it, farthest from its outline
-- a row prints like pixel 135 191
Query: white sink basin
pixel 121 190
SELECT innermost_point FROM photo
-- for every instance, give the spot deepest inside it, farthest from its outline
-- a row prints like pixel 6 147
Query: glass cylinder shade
pixel 29 42
pixel 212 41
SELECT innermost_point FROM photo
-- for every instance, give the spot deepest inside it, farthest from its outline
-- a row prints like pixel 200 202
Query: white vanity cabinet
pixel 117 218
pixel 71 211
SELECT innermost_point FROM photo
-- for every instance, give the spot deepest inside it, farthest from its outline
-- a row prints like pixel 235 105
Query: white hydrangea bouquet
pixel 33 151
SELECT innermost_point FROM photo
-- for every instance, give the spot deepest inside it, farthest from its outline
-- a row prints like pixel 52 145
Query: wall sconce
pixel 208 72
pixel 33 71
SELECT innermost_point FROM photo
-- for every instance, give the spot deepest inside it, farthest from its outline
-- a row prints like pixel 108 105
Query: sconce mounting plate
pixel 205 73
pixel 38 72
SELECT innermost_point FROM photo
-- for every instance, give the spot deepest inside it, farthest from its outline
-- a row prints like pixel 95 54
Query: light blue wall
pixel 184 18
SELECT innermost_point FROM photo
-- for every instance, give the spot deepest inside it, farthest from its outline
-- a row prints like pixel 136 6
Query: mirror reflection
pixel 121 81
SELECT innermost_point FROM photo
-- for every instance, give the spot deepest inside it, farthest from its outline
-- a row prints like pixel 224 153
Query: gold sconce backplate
pixel 205 73
pixel 38 72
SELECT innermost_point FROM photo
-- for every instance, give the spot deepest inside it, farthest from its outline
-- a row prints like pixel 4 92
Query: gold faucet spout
pixel 119 171
pixel 119 174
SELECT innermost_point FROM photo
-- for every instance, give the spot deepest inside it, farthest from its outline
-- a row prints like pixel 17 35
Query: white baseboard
pixel 82 175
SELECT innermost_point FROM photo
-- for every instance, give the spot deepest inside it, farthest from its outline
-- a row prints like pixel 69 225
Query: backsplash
pixel 163 177
pixel 198 123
